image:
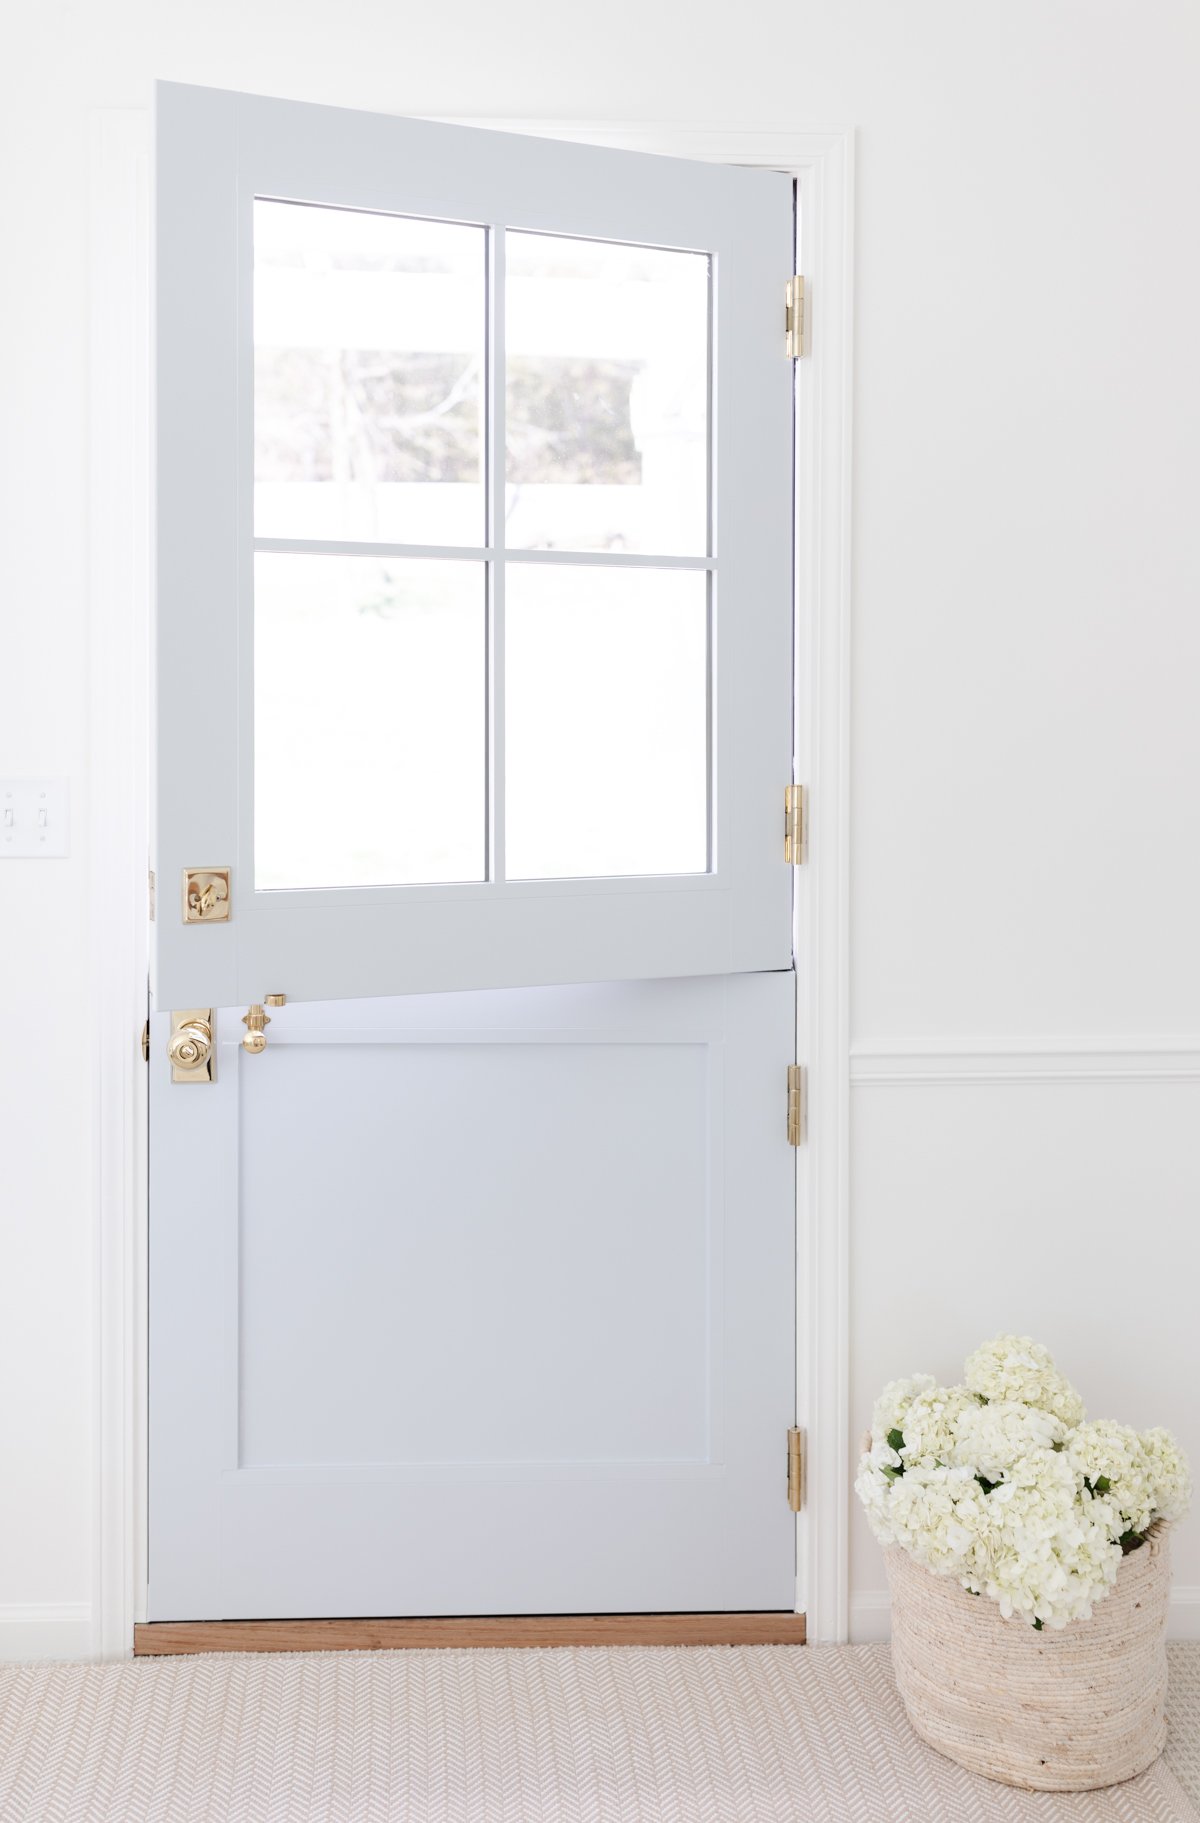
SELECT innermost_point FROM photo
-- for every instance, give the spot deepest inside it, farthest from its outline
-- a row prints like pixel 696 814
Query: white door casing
pixel 821 161
pixel 216 154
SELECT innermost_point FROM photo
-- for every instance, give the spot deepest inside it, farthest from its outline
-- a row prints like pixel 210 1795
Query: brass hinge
pixel 146 1042
pixel 795 825
pixel 795 1113
pixel 796 318
pixel 795 1478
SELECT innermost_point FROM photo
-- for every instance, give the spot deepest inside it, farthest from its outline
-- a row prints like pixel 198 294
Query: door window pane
pixel 606 721
pixel 607 397
pixel 369 698
pixel 368 380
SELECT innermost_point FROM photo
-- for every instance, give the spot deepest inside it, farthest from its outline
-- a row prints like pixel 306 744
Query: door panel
pixel 474 564
pixel 604 1270
pixel 479 1303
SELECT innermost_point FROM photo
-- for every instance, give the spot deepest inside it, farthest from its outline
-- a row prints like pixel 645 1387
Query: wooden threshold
pixel 154 1638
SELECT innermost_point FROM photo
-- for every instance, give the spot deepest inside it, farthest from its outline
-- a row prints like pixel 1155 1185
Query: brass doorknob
pixel 190 1047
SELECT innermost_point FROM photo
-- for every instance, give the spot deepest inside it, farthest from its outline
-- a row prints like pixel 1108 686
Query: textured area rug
pixel 610 1735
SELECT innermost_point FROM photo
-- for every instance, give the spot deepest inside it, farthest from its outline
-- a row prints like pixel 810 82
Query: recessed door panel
pixel 579 1267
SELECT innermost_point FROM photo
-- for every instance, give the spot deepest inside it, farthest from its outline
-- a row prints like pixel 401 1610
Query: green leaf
pixel 1130 1541
pixel 891 1473
pixel 895 1440
pixel 1038 1625
pixel 1102 1484
pixel 985 1484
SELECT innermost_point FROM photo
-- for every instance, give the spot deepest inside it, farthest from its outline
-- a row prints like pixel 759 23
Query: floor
pixel 617 1735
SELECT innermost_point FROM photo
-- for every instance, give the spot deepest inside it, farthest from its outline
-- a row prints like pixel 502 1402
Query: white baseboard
pixel 871 1616
pixel 41 1630
pixel 1183 1616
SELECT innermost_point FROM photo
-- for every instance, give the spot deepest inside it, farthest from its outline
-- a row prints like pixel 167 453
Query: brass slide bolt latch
pixel 256 1021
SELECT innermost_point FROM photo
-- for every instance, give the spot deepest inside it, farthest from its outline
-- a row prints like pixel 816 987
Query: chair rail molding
pixel 1057 1057
pixel 822 162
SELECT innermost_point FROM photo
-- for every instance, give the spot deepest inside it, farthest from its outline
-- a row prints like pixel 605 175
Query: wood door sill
pixel 155 1638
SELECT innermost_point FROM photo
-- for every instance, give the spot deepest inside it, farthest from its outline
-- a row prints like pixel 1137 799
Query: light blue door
pixel 471 1289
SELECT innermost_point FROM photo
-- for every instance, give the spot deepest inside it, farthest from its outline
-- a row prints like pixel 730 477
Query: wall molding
pixel 1183 1613
pixel 824 406
pixel 45 1630
pixel 1056 1058
pixel 118 837
pixel 871 1614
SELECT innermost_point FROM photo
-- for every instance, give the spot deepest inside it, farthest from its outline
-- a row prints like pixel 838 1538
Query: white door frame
pixel 118 823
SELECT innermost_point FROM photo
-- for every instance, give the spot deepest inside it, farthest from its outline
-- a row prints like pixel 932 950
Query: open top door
pixel 474 558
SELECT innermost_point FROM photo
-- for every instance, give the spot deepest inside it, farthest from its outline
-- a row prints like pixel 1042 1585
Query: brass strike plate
pixel 190 1048
pixel 206 895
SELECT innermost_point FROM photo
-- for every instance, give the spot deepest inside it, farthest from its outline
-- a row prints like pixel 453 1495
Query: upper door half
pixel 474 558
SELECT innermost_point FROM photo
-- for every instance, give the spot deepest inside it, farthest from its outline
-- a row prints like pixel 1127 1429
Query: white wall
pixel 1026 649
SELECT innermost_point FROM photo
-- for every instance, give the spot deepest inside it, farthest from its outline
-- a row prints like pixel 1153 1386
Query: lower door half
pixel 476 1304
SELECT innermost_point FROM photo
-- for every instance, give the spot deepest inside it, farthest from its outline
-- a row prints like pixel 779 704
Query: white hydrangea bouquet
pixel 1001 1484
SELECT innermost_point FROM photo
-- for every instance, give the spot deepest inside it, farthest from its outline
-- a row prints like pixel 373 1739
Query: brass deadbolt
pixel 206 895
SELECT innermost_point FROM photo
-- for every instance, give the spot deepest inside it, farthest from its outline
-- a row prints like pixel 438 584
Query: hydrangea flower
pixel 930 1425
pixel 1047 1562
pixel 1018 1368
pixel 993 1436
pixel 1169 1470
pixel 1115 1466
pixel 935 1514
pixel 892 1405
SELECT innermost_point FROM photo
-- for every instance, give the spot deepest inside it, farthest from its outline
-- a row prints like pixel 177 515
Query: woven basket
pixel 1065 1710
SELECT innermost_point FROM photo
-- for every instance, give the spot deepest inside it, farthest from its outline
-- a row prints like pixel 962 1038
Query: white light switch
pixel 34 819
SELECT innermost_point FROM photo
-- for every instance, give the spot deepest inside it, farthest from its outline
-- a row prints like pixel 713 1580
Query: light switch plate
pixel 34 818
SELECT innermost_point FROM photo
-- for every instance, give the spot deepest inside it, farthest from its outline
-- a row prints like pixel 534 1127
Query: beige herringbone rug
pixel 623 1735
